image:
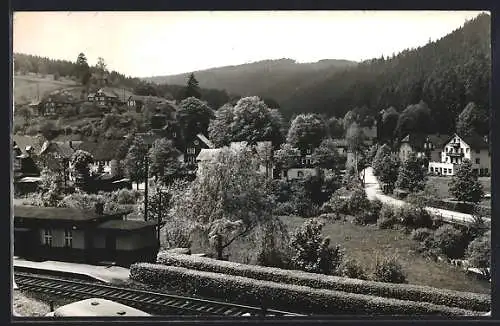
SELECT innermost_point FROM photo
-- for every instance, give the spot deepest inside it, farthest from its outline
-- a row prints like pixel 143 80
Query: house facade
pixel 473 148
pixel 103 151
pixel 67 234
pixel 104 97
pixel 428 146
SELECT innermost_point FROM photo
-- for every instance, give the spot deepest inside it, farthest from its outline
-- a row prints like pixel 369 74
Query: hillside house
pixel 54 103
pixel 104 97
pixel 138 102
pixel 474 148
pixel 88 236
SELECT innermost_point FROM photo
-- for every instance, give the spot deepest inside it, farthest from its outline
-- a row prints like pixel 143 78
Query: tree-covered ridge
pixel 446 74
pixel 89 76
pixel 267 78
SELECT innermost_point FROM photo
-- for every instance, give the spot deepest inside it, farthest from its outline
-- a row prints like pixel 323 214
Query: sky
pixel 142 44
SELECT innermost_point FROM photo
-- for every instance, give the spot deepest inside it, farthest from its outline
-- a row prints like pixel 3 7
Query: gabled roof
pixel 474 141
pixel 62 148
pixel 205 140
pixel 127 225
pixel 24 141
pixel 208 154
pixel 104 150
pixel 56 213
pixel 438 140
pixel 107 92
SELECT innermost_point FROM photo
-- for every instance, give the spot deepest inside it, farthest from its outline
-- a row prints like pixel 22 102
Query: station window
pixel 47 237
pixel 68 238
pixel 477 160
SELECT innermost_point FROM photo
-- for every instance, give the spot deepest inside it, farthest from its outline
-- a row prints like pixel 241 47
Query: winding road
pixel 373 191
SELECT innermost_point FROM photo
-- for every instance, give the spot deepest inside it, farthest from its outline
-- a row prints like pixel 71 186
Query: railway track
pixel 151 302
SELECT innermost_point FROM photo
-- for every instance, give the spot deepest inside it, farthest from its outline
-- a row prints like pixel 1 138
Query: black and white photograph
pixel 251 164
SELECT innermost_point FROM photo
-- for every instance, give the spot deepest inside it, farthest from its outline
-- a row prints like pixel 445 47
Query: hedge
pixel 272 295
pixel 451 205
pixel 465 300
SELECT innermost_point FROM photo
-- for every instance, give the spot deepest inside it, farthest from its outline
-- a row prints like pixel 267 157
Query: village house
pixel 370 134
pixel 263 149
pixel 104 97
pixel 474 148
pixel 25 170
pixel 103 152
pixel 193 148
pixel 88 236
pixel 57 154
pixel 428 146
pixel 138 102
pixel 54 103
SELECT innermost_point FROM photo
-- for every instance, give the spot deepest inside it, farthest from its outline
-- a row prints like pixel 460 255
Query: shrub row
pixel 465 300
pixel 273 295
pixel 465 208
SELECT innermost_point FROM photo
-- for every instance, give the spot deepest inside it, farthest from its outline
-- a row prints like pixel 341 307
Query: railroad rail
pixel 151 302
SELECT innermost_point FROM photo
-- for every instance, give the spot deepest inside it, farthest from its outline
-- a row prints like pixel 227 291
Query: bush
pixel 450 241
pixel 421 234
pixel 280 296
pixel 369 215
pixel 413 217
pixel 389 270
pixel 387 217
pixel 284 209
pixel 337 205
pixel 358 202
pixel 126 196
pixel 479 251
pixel 466 300
pixel 352 268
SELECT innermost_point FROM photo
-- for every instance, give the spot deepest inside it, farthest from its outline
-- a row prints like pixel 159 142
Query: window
pixel 478 151
pixel 68 238
pixel 47 237
pixel 174 134
pixel 196 142
pixel 300 174
pixel 191 150
pixel 467 150
pixel 461 150
pixel 477 160
pixel 308 151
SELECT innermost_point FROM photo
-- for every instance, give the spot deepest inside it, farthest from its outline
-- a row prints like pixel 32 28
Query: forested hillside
pixel 53 74
pixel 275 79
pixel 446 74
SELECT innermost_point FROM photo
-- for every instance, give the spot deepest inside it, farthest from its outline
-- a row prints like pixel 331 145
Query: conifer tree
pixel 192 88
pixel 411 175
pixel 465 186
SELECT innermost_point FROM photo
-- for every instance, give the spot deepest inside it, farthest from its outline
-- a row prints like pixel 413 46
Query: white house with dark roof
pixel 474 148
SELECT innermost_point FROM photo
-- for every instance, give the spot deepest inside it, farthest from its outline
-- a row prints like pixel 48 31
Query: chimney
pixel 99 208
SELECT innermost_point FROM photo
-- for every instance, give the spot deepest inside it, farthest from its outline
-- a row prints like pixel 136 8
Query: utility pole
pixel 159 213
pixel 146 189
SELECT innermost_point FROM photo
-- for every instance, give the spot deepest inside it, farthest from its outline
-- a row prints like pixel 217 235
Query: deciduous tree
pixel 135 161
pixel 227 200
pixel 194 117
pixel 306 131
pixel 164 160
